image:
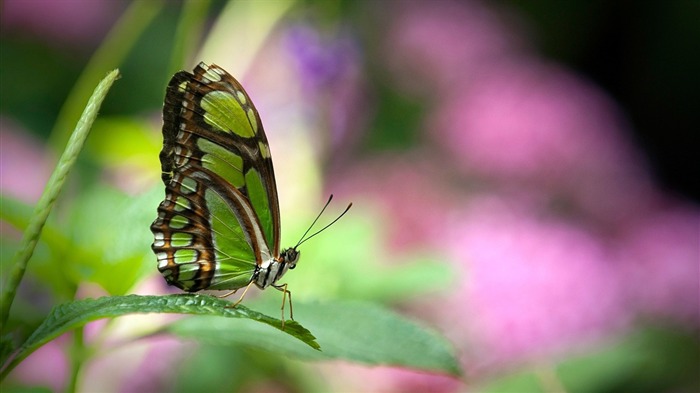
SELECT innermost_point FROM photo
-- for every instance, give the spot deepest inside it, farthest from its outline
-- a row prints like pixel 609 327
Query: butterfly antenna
pixel 303 239
pixel 316 219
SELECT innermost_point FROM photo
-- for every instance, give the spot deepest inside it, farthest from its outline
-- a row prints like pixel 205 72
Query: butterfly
pixel 218 227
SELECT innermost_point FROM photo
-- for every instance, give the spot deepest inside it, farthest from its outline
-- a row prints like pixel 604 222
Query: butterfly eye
pixel 292 257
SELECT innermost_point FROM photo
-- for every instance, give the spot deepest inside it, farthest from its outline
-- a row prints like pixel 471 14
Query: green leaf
pixel 70 315
pixel 355 331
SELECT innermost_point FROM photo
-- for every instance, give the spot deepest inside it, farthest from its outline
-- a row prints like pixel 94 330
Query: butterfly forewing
pixel 220 217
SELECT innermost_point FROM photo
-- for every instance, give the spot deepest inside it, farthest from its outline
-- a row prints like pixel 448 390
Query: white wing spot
pixel 159 239
pixel 162 263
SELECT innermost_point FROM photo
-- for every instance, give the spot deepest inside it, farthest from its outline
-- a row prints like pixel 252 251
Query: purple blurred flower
pixel 533 286
pixel 25 166
pixel 329 70
pixel 322 62
pixel 64 21
pixel 661 255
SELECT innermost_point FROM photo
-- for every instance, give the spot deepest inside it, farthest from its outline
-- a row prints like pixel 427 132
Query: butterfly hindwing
pixel 220 218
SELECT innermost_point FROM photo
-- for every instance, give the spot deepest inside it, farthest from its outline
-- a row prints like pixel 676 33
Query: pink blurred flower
pixel 64 21
pixel 539 127
pixel 144 365
pixel 154 370
pixel 661 263
pixel 346 377
pixel 411 190
pixel 47 367
pixel 25 166
pixel 447 42
pixel 533 286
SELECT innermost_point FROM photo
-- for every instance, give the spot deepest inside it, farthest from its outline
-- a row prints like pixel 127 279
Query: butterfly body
pixel 219 224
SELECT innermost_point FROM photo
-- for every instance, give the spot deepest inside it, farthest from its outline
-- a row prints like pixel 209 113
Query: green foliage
pixel 650 359
pixel 112 240
pixel 50 194
pixel 99 246
pixel 357 331
pixel 88 245
pixel 96 240
pixel 396 125
pixel 99 235
pixel 71 315
pixel 114 48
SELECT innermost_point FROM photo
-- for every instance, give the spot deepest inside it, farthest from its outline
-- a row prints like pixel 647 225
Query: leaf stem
pixel 51 192
pixel 77 358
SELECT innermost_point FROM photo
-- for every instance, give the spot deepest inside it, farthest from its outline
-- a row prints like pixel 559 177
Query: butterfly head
pixel 290 256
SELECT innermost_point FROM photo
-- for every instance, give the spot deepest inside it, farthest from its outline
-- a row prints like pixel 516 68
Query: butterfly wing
pixel 220 217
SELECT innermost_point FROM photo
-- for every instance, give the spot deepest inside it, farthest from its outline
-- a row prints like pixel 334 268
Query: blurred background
pixel 524 180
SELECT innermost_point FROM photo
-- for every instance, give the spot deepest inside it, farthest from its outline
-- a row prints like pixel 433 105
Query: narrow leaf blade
pixel 70 315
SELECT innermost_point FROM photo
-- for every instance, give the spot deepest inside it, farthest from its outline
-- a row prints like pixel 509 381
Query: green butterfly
pixel 219 225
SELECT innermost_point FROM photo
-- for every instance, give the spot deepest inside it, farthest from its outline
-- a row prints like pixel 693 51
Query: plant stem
pixel 77 358
pixel 51 192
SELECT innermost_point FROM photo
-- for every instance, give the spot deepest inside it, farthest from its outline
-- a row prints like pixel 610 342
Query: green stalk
pixel 112 51
pixel 187 34
pixel 77 359
pixel 48 198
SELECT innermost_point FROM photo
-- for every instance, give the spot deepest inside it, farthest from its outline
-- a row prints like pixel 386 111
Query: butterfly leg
pixel 285 293
pixel 227 294
pixel 242 295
